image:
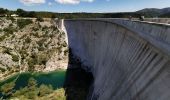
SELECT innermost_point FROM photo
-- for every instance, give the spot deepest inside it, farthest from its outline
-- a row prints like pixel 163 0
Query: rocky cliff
pixel 31 45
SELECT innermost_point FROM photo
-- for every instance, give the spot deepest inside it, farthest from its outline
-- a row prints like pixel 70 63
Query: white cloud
pixel 33 2
pixel 49 3
pixel 30 2
pixel 72 1
pixel 68 1
pixel 87 0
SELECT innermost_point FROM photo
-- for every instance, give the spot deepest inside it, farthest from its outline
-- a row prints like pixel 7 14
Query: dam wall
pixel 129 60
pixel 158 20
pixel 153 20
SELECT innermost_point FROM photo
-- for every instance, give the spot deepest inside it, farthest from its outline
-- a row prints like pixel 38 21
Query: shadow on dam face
pixel 117 60
pixel 77 81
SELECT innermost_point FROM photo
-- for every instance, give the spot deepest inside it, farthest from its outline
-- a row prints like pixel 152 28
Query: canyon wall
pixel 129 60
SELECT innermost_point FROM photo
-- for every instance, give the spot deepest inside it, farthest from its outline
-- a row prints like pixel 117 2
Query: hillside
pixel 31 45
pixel 147 12
pixel 154 12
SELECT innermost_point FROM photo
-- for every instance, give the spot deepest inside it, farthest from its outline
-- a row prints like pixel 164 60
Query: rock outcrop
pixel 27 44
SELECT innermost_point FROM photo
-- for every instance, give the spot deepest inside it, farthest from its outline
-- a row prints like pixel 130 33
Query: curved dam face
pixel 126 63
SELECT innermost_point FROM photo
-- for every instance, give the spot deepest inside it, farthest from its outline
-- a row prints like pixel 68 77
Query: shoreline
pixel 33 73
pixel 9 76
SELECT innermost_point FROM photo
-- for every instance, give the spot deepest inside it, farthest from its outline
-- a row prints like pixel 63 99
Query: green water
pixel 56 79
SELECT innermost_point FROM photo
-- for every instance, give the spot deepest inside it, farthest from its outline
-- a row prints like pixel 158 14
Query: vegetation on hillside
pixel 32 91
pixel 21 23
pixel 31 45
pixel 146 12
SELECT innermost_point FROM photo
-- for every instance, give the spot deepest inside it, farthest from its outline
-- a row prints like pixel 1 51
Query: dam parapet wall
pixel 128 60
pixel 158 20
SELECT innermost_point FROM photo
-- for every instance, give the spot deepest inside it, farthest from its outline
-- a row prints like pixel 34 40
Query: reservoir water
pixel 56 79
pixel 76 82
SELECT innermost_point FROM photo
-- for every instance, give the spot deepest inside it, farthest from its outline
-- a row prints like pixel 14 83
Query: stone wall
pixel 126 62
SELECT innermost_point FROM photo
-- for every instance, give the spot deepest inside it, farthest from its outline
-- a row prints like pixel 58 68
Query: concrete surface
pixel 129 60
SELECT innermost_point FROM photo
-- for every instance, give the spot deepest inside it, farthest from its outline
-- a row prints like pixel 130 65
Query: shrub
pixel 2 69
pixel 30 91
pixel 23 53
pixel 7 51
pixel 10 25
pixel 1 30
pixel 39 19
pixel 42 59
pixel 15 58
pixel 35 29
pixel 66 52
pixel 54 28
pixel 32 83
pixel 28 40
pixel 41 92
pixel 11 18
pixel 41 48
pixel 64 44
pixel 7 88
pixel 45 90
pixel 35 34
pixel 44 28
pixel 9 30
pixel 60 94
pixel 31 63
pixel 23 22
pixel 20 92
pixel 23 36
pixel 41 42
pixel 2 38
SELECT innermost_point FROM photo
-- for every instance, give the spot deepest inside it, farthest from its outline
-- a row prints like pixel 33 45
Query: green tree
pixel 31 14
pixel 3 11
pixel 45 90
pixel 7 89
pixel 21 12
pixel 28 92
pixel 20 92
pixel 32 83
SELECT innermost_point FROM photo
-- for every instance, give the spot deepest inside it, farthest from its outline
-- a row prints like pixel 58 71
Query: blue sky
pixel 83 5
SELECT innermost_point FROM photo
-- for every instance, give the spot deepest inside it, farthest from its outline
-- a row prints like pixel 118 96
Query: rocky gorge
pixel 31 45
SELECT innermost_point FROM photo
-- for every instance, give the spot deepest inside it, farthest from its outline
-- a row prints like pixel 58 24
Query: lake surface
pixel 56 79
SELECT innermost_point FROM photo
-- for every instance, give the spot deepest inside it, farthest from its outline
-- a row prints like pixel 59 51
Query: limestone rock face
pixel 27 44
pixel 6 60
pixel 128 62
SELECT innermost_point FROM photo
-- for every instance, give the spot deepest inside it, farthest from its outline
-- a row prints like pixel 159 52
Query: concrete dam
pixel 129 60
